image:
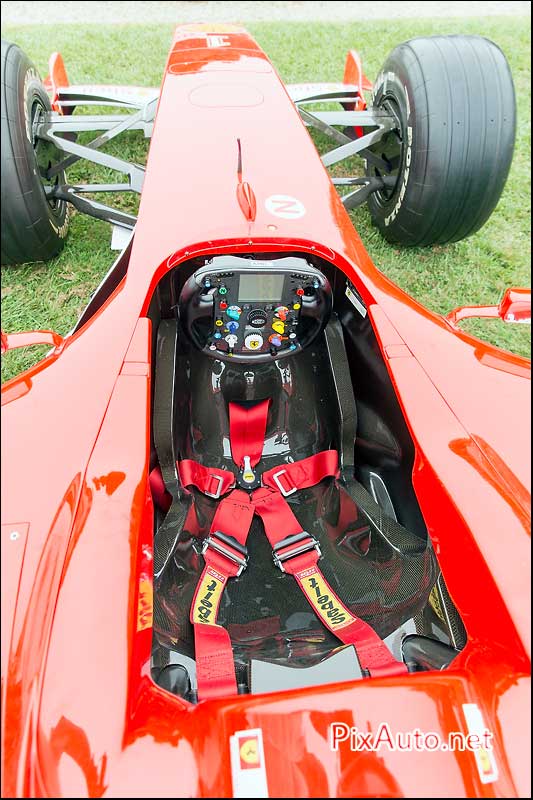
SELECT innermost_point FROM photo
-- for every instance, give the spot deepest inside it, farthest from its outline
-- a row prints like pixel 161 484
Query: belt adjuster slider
pixel 217 539
pixel 218 491
pixel 299 549
pixel 284 492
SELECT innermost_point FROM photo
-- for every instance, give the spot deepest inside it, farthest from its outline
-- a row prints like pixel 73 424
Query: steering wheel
pixel 250 310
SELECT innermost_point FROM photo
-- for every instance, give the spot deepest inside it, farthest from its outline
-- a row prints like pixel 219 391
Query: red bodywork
pixel 81 715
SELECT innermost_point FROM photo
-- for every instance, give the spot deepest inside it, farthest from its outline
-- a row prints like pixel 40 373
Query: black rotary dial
pixel 257 318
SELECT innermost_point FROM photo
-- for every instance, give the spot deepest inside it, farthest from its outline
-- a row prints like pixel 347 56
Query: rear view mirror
pixel 10 341
pixel 515 306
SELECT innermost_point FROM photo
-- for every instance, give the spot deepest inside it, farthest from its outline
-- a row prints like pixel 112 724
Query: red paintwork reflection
pixel 109 482
pixel 69 741
pixel 197 51
pixel 481 455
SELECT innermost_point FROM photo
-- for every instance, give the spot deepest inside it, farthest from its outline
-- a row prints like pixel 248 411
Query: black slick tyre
pixel 33 229
pixel 454 101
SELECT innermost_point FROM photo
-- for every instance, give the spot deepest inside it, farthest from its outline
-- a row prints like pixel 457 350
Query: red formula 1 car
pixel 265 518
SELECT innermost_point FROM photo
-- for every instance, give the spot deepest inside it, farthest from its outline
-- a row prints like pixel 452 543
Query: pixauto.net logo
pixel 476 739
pixel 410 741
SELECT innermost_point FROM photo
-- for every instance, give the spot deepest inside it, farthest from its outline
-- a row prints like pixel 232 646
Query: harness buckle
pixel 218 491
pixel 297 550
pixel 247 478
pixel 217 540
pixel 284 492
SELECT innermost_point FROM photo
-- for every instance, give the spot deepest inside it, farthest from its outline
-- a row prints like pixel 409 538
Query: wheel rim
pixel 391 151
pixel 46 156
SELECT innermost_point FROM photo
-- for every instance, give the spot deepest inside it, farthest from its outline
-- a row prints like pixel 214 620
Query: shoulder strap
pixel 398 537
pixel 163 418
pixel 343 386
pixel 163 427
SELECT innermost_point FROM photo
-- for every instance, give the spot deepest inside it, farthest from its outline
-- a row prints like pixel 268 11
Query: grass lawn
pixel 475 271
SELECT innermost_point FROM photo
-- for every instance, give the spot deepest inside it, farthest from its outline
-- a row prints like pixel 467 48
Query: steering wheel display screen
pixel 266 288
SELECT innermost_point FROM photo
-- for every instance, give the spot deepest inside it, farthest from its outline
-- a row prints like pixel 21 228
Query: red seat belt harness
pixel 295 551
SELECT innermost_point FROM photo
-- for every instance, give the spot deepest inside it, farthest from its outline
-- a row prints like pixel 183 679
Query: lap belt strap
pixel 295 552
pixel 209 480
pixel 225 557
